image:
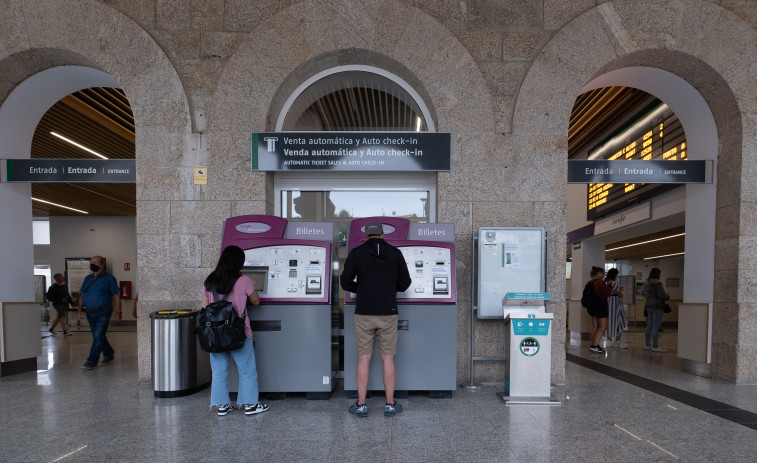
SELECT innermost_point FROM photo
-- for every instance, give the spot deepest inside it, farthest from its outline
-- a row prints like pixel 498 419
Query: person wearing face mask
pixel 101 296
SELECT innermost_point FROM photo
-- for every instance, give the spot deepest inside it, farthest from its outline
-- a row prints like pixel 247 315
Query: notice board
pixel 509 260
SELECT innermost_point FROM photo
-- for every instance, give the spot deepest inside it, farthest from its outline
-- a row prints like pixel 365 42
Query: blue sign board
pixel 530 326
pixel 540 296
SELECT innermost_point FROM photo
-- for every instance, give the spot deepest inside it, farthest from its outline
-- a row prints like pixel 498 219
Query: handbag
pixel 666 308
pixel 220 328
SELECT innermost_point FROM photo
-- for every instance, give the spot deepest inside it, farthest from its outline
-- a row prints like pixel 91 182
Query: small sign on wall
pixel 201 175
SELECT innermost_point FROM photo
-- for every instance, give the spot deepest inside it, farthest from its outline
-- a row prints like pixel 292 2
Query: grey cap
pixel 373 228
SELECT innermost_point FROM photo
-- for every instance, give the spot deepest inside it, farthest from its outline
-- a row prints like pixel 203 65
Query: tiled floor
pixel 64 414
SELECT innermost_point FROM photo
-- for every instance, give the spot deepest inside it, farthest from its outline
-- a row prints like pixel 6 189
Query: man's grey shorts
pixel 382 326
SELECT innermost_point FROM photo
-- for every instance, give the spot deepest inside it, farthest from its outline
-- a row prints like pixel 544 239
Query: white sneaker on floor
pixel 621 344
pixel 659 349
pixel 647 347
pixel 611 344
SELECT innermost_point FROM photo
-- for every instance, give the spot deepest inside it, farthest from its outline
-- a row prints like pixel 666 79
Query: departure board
pixel 654 134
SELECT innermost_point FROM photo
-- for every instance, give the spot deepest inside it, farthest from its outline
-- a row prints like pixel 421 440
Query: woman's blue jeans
pixel 654 322
pixel 98 322
pixel 248 375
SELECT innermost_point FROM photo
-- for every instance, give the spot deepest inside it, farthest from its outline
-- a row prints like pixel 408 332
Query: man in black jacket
pixel 381 273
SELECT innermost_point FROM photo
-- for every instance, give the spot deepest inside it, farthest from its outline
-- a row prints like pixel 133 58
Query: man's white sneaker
pixel 659 349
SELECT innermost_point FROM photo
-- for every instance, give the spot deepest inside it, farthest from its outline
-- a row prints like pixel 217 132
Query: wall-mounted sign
pixel 70 170
pixel 351 151
pixel 627 217
pixel 639 172
pixel 201 175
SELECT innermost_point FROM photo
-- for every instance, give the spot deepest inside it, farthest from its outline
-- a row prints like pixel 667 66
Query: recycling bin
pixel 179 366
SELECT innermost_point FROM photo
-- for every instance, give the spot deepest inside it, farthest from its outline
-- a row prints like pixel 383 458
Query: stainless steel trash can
pixel 179 366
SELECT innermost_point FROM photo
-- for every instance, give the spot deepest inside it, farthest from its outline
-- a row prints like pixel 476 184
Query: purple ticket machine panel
pixel 426 357
pixel 290 263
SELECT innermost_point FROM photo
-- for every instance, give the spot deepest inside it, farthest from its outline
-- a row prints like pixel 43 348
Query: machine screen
pixel 430 270
pixel 259 276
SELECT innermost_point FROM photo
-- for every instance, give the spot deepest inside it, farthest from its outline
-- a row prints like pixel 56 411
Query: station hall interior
pixel 520 89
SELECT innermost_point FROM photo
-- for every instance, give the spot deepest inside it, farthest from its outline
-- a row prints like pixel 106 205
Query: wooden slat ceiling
pixel 345 107
pixel 100 119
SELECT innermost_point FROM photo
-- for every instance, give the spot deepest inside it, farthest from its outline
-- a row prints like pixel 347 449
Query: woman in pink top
pixel 226 279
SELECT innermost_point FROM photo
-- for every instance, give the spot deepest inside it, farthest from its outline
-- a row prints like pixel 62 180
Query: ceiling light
pixel 645 242
pixel 59 205
pixel 77 145
pixel 666 255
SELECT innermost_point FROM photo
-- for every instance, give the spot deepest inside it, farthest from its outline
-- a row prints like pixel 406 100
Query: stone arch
pixel 712 50
pixel 39 35
pixel 299 41
pixel 310 36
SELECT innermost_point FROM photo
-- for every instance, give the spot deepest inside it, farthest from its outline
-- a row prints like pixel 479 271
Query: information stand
pixel 528 345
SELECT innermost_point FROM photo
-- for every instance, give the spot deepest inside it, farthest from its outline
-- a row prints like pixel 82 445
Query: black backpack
pixel 219 328
pixel 589 297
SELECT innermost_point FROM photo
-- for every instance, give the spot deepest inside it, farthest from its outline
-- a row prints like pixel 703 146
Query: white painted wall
pixel 17 251
pixel 670 268
pixel 114 238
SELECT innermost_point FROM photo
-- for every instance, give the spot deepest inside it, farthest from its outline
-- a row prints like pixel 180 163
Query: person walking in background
pixel 598 292
pixel 381 273
pixel 100 294
pixel 226 279
pixel 58 295
pixel 616 320
pixel 654 304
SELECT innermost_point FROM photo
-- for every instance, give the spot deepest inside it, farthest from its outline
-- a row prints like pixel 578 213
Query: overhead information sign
pixel 69 170
pixel 631 172
pixel 351 151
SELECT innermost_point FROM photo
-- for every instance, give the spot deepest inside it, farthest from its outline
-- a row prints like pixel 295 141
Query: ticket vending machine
pixel 426 358
pixel 293 326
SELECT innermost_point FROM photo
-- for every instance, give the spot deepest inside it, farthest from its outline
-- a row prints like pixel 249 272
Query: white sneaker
pixel 659 349
pixel 621 344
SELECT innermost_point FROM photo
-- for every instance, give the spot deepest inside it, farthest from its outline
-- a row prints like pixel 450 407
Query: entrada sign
pixel 350 151
pixel 70 170
pixel 615 171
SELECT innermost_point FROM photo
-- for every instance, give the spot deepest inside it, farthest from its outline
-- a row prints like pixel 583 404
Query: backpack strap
pixel 215 297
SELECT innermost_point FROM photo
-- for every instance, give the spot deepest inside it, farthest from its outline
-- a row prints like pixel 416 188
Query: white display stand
pixel 20 339
pixel 528 347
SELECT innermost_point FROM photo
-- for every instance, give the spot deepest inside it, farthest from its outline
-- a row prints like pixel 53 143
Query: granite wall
pixel 500 76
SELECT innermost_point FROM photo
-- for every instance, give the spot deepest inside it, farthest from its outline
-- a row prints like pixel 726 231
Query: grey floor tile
pixel 106 415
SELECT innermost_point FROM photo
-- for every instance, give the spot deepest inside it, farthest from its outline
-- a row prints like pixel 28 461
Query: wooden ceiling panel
pixel 101 120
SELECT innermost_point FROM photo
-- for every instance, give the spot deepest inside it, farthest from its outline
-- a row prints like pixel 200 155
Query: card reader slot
pixel 265 325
